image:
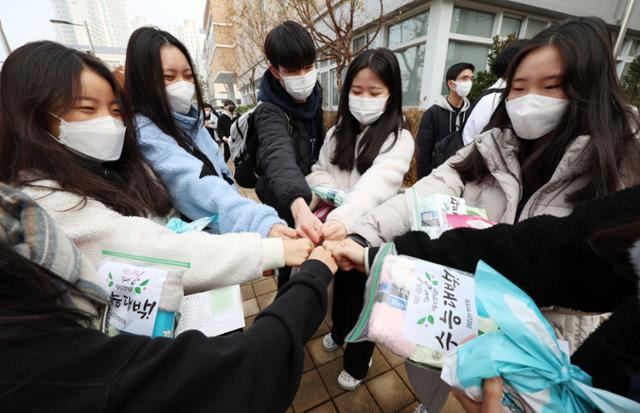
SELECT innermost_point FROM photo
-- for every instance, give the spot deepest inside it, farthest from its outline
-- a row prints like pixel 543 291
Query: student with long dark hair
pixel 564 134
pixel 67 140
pixel 55 357
pixel 366 154
pixel 161 82
pixel 588 261
pixel 226 119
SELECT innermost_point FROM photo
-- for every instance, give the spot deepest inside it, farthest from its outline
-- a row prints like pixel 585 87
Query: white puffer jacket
pixel 364 192
pixel 500 195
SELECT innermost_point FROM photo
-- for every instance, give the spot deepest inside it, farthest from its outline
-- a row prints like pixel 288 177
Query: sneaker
pixel 347 382
pixel 328 343
pixel 420 409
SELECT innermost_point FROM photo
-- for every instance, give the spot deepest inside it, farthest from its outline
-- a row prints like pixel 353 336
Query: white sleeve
pixel 380 182
pixel 322 171
pixel 216 260
pixel 480 116
pixel 391 219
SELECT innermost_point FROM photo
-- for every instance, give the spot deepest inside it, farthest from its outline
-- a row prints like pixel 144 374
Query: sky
pixel 28 20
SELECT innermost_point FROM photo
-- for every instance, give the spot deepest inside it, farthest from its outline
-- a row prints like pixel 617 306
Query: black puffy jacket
pixel 290 137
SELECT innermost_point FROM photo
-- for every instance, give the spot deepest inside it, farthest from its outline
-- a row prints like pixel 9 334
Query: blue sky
pixel 28 20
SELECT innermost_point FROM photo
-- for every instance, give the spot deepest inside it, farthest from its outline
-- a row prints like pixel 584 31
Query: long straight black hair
pixel 385 65
pixel 144 81
pixel 44 77
pixel 32 299
pixel 597 107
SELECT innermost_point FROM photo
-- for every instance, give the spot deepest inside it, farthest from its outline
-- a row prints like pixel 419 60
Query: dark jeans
pixel 348 299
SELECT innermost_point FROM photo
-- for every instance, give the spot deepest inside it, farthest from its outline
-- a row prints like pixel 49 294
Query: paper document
pixel 212 312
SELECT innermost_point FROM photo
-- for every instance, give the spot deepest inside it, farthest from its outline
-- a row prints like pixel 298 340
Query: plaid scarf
pixel 29 230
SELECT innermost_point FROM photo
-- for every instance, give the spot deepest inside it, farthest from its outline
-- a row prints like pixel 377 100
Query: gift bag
pixel 537 373
pixel 179 226
pixel 334 197
pixel 417 309
pixel 437 213
pixel 145 289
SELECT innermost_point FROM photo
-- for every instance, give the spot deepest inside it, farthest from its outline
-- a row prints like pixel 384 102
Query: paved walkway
pixel 386 388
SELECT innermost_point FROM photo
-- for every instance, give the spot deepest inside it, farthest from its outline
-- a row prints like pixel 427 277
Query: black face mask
pixel 207 116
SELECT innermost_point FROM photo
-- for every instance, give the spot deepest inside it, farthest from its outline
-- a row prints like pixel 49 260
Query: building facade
pixel 430 36
pixel 220 51
pixel 107 20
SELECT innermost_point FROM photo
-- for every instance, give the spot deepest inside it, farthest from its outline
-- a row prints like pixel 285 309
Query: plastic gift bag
pixel 146 290
pixel 538 375
pixel 331 196
pixel 437 213
pixel 417 309
pixel 179 226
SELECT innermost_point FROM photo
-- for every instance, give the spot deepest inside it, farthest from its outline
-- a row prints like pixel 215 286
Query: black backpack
pixel 453 142
pixel 243 144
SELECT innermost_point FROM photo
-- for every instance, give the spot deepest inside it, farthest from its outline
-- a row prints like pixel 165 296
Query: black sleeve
pixel 611 354
pixel 548 257
pixel 256 370
pixel 425 142
pixel 276 158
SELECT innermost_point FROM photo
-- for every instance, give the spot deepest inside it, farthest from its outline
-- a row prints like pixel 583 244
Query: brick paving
pixel 386 388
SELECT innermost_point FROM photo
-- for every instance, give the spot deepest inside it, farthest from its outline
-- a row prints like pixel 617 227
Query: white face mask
pixel 533 116
pixel 180 95
pixel 463 88
pixel 300 87
pixel 367 110
pixel 100 138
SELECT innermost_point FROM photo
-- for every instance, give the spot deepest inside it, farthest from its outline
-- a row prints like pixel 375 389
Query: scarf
pixel 31 232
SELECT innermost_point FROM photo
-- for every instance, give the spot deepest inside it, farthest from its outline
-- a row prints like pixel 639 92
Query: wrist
pixel 298 207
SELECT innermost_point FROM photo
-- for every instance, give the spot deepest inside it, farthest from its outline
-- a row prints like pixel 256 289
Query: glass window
pixel 358 43
pixel 324 82
pixel 457 52
pixel 377 41
pixel 634 50
pixel 411 66
pixel 534 27
pixel 407 30
pixel 510 25
pixel 334 89
pixel 472 22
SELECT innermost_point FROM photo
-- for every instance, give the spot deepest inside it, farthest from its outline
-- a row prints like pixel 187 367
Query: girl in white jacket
pixel 66 140
pixel 366 155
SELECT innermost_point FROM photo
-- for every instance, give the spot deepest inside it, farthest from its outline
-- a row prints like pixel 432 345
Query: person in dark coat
pixel 289 127
pixel 225 120
pixel 588 261
pixel 55 358
pixel 445 116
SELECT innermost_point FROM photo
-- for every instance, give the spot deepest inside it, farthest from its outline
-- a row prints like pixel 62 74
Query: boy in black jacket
pixel 288 123
pixel 445 116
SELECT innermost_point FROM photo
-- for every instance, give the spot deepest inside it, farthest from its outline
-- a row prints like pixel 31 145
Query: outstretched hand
pixel 348 254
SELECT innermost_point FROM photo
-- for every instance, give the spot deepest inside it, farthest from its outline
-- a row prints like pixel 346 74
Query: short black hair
pixel 455 70
pixel 501 63
pixel 290 45
pixel 208 106
pixel 228 102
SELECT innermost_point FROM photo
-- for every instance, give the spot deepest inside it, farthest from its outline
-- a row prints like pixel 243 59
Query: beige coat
pixel 500 195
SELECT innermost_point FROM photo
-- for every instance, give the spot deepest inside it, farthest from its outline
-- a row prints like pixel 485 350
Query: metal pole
pixel 623 28
pixel 93 49
pixel 5 42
